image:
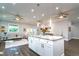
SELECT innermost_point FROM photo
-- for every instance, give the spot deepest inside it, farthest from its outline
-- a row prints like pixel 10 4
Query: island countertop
pixel 46 45
pixel 48 37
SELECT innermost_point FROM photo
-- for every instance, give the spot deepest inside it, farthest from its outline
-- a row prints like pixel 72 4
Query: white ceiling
pixel 24 9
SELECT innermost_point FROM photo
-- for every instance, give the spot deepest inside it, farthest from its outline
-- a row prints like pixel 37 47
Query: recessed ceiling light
pixel 43 14
pixel 38 24
pixel 57 8
pixel 17 19
pixel 13 3
pixel 32 10
pixel 34 16
pixel 50 22
pixel 3 7
pixel 61 17
pixel 77 17
pixel 4 16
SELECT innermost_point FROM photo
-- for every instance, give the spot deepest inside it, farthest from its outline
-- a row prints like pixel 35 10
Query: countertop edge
pixel 46 38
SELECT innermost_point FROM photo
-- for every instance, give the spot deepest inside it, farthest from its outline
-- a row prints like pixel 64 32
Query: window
pixel 13 28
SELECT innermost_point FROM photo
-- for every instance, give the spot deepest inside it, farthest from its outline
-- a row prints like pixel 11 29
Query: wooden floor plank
pixel 16 51
pixel 72 47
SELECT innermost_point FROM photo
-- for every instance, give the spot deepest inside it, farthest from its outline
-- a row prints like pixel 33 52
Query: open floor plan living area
pixel 39 29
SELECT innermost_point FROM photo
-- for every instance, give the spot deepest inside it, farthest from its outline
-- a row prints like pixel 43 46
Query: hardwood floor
pixel 16 51
pixel 2 46
pixel 72 47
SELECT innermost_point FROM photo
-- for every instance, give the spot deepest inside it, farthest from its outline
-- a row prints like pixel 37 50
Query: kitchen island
pixel 46 45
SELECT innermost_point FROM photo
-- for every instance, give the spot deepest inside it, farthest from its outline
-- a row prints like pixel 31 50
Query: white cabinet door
pixel 41 46
pixel 41 49
pixel 48 50
pixel 58 47
pixel 30 39
pixel 37 48
pixel 45 49
pixel 36 44
pixel 49 45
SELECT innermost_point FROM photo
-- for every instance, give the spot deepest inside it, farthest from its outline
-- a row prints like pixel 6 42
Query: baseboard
pixel 1 52
pixel 76 38
pixel 34 52
pixel 62 54
pixel 67 40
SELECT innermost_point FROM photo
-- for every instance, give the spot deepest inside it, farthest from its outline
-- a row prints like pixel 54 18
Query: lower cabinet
pixel 30 40
pixel 36 45
pixel 45 47
pixel 48 50
pixel 40 47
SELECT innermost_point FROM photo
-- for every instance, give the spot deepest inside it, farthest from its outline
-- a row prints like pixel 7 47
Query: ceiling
pixel 48 9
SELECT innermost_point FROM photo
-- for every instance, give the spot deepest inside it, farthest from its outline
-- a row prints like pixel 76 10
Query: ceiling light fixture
pixel 17 19
pixel 77 17
pixel 3 16
pixel 57 8
pixel 32 10
pixel 38 24
pixel 43 14
pixel 34 16
pixel 61 17
pixel 50 22
pixel 3 7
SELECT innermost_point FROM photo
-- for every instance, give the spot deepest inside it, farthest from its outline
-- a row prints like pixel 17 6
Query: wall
pixel 75 31
pixel 11 35
pixel 61 28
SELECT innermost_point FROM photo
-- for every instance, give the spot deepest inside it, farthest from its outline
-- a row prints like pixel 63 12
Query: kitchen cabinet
pixel 48 50
pixel 34 43
pixel 41 49
pixel 30 42
pixel 46 47
pixel 58 47
pixel 40 46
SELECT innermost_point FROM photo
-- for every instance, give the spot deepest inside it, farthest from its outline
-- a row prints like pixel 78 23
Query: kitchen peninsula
pixel 46 45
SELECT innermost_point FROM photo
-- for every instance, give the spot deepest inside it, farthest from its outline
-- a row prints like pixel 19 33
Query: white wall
pixel 75 30
pixel 10 35
pixel 61 28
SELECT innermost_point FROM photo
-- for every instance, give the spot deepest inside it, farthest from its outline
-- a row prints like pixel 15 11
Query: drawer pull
pixel 42 45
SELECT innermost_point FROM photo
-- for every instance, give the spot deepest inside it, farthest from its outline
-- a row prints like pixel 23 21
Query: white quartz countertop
pixel 48 37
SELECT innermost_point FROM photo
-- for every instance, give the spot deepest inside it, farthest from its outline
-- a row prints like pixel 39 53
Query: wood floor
pixel 16 51
pixel 72 47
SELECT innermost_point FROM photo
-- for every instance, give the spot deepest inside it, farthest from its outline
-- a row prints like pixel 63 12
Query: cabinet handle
pixel 31 41
pixel 42 45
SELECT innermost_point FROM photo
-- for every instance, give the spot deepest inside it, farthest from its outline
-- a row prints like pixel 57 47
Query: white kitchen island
pixel 47 45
